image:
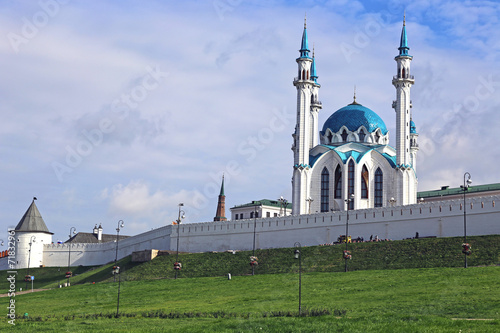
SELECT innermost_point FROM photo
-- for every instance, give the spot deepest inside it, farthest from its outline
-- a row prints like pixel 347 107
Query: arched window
pixel 303 75
pixel 361 135
pixel 404 73
pixel 364 183
pixel 350 182
pixel 325 190
pixel 338 183
pixel 329 137
pixel 377 137
pixel 379 185
pixel 344 136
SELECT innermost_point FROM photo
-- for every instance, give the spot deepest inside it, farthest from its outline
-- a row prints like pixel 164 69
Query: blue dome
pixel 353 116
pixel 413 128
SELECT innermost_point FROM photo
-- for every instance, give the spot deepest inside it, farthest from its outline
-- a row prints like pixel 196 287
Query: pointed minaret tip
pixel 354 102
pixel 305 20
pixel 404 18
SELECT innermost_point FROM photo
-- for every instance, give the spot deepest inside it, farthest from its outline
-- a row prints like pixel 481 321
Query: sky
pixel 121 110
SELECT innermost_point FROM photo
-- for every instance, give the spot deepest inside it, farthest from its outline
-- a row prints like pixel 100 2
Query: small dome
pixel 413 128
pixel 353 116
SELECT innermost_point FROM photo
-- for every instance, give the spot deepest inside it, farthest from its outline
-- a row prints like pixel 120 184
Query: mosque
pixel 347 166
pixel 352 160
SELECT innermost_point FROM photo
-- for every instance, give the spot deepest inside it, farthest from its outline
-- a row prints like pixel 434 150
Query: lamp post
pixel 283 202
pixel 298 256
pixel 347 201
pixel 182 215
pixel 68 273
pixel 309 201
pixel 253 260
pixel 120 226
pixel 28 276
pixel 465 188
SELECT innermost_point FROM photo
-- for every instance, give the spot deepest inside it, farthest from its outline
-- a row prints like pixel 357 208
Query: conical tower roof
pixel 32 221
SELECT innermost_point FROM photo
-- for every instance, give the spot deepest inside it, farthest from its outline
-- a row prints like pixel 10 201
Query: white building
pixel 352 161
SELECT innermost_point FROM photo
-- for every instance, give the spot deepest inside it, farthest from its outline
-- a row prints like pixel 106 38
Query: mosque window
pixel 251 215
pixel 303 75
pixel 350 182
pixel 379 185
pixel 364 183
pixel 404 72
pixel 338 183
pixel 344 135
pixel 362 135
pixel 325 190
pixel 330 137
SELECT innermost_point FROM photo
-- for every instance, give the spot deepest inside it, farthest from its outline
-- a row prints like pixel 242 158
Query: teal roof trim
pixel 356 155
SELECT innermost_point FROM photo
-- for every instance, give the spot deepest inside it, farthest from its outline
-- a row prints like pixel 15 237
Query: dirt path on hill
pixel 23 292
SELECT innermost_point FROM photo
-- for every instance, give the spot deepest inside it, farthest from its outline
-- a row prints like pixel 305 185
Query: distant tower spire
pixel 220 214
pixel 304 46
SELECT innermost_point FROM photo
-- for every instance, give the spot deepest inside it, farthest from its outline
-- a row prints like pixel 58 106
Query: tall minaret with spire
pixel 306 129
pixel 220 214
pixel 403 81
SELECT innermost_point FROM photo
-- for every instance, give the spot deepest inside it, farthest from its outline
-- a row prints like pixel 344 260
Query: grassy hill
pixel 402 254
pixel 403 300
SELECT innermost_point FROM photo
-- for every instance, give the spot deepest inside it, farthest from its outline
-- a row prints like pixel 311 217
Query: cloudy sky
pixel 122 109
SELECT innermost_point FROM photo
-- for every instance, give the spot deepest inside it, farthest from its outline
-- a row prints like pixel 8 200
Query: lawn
pixel 403 300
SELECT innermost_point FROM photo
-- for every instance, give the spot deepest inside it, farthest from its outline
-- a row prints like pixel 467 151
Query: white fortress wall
pixel 98 254
pixel 440 219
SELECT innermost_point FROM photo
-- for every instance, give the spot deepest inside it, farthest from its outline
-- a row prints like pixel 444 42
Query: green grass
pixel 406 300
pixel 413 253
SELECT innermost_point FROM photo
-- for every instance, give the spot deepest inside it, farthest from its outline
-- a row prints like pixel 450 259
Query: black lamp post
pixel 347 201
pixel 297 256
pixel 68 273
pixel 182 215
pixel 465 188
pixel 120 226
pixel 28 276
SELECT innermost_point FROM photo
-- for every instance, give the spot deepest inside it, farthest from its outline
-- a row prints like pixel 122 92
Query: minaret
pixel 402 105
pixel 315 105
pixel 220 214
pixel 305 134
pixel 413 144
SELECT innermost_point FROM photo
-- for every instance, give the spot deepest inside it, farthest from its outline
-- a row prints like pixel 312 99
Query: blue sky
pixel 121 110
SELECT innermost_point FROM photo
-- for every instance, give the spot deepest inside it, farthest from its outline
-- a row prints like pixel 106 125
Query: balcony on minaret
pixel 401 77
pixel 316 103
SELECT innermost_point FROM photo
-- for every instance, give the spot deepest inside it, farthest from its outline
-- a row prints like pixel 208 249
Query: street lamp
pixel 68 273
pixel 346 252
pixel 465 246
pixel 27 278
pixel 253 258
pixel 392 201
pixel 182 215
pixel 298 256
pixel 283 203
pixel 309 200
pixel 121 224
